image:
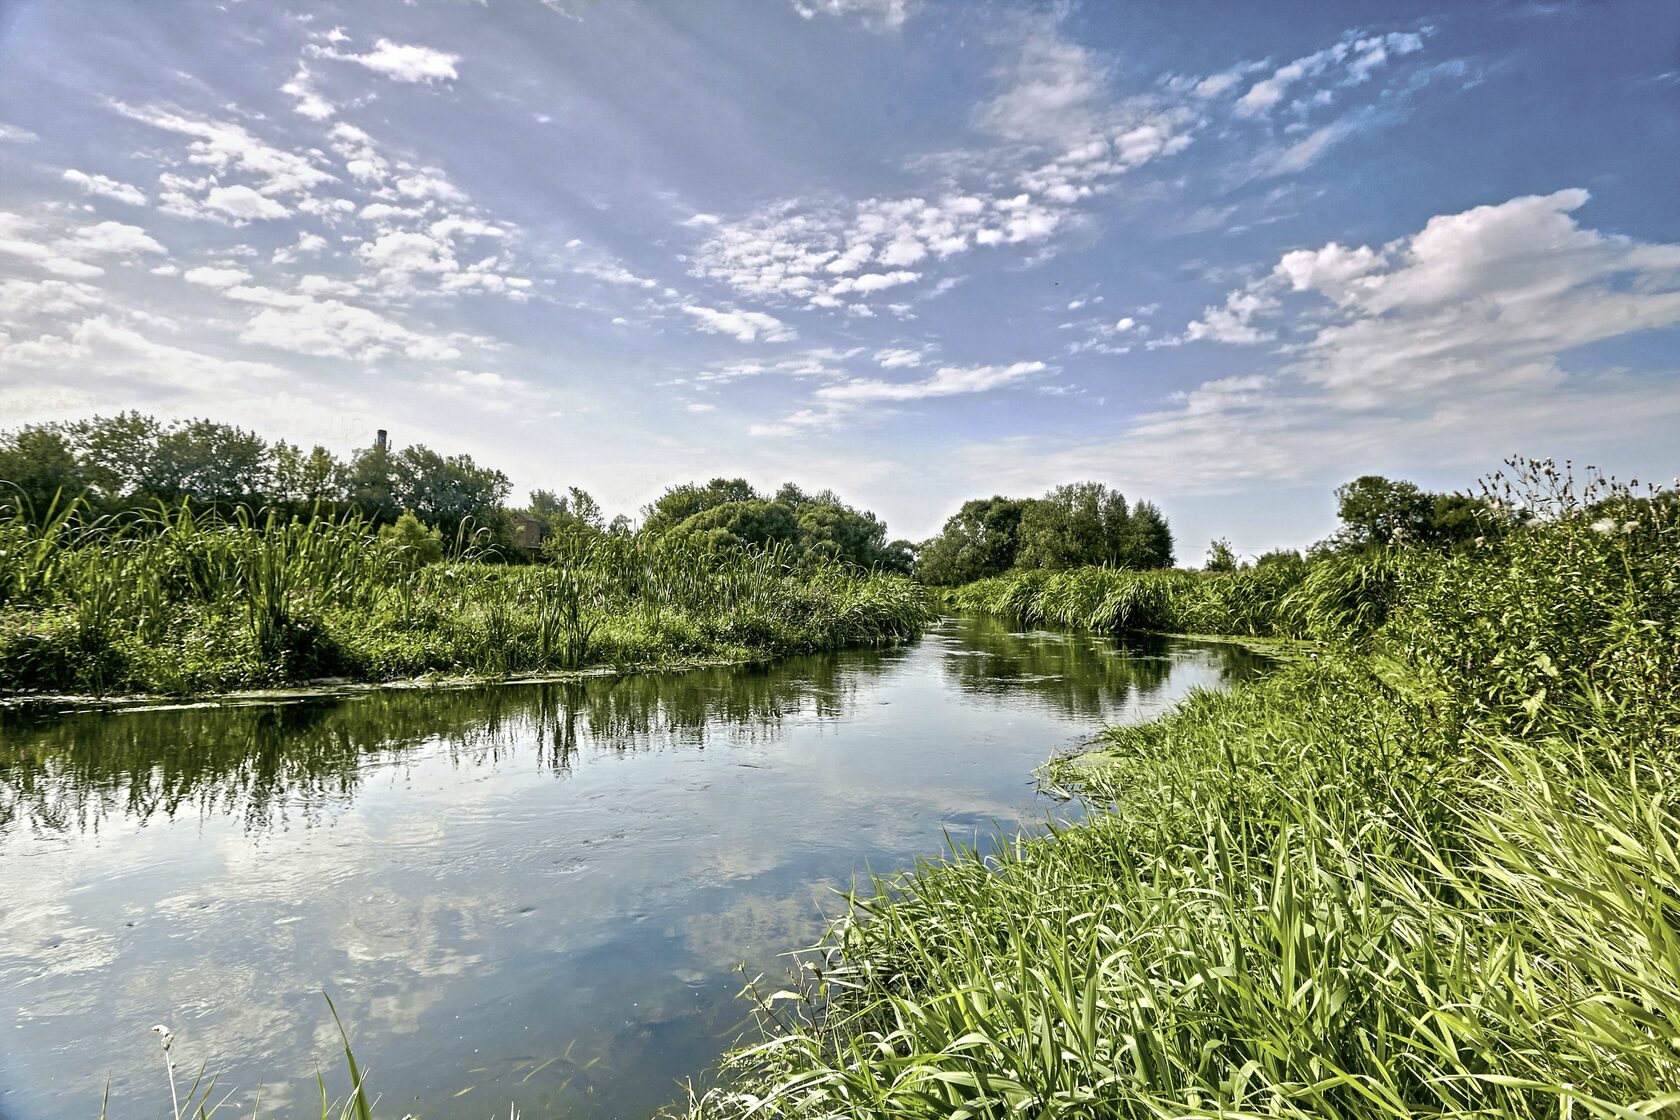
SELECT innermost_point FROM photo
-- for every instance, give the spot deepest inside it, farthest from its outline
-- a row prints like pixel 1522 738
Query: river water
pixel 537 894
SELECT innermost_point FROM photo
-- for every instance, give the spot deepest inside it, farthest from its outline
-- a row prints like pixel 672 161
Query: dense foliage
pixel 1080 524
pixel 178 601
pixel 131 461
pixel 1431 872
pixel 728 512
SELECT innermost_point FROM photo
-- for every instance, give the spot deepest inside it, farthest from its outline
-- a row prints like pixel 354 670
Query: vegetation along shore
pixel 1431 871
pixel 196 558
pixel 1428 868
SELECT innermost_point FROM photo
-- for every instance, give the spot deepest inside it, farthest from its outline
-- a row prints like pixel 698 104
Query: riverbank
pixel 1431 872
pixel 47 704
pixel 187 609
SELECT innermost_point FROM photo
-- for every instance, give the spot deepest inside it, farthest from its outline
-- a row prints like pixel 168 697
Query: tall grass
pixel 1433 872
pixel 175 601
pixel 1332 598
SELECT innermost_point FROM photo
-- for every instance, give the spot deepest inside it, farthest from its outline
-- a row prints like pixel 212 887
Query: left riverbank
pixel 190 610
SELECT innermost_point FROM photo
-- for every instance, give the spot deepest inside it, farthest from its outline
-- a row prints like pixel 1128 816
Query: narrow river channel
pixel 535 894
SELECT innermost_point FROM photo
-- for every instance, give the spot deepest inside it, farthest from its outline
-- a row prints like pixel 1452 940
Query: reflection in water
pixel 270 763
pixel 535 893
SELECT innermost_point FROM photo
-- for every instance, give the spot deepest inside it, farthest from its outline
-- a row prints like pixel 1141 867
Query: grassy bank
pixel 178 604
pixel 1433 872
pixel 1332 599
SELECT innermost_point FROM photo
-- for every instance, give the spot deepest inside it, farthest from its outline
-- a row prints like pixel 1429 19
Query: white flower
pixel 1605 525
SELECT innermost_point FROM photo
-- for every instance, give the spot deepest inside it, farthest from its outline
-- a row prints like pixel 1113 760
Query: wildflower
pixel 1604 525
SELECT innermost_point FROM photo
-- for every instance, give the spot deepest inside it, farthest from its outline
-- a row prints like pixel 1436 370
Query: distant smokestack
pixel 380 441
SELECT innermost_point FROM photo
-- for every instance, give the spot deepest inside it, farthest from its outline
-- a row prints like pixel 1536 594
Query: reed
pixel 176 601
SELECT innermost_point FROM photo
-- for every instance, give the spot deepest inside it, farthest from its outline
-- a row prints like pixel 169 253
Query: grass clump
pixel 180 602
pixel 1433 872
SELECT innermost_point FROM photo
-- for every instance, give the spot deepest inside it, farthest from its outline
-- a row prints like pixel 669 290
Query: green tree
pixel 39 464
pixel 446 490
pixel 840 532
pixel 1221 557
pixel 981 539
pixel 1149 539
pixel 1280 558
pixel 679 503
pixel 753 522
pixel 118 454
pixel 1377 512
pixel 303 480
pixel 210 462
pixel 1075 525
pixel 371 483
pixel 413 541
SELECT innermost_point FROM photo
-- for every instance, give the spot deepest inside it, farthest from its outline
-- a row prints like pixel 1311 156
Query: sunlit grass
pixel 177 602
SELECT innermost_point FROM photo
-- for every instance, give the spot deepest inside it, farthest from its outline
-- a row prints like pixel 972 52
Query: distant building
pixel 527 530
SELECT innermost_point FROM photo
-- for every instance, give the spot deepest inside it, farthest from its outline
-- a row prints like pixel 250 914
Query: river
pixel 537 894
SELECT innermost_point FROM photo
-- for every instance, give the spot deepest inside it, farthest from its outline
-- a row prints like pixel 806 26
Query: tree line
pixel 1077 525
pixel 731 512
pixel 131 461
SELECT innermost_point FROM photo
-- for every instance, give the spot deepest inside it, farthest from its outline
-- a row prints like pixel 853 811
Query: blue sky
pixel 1219 256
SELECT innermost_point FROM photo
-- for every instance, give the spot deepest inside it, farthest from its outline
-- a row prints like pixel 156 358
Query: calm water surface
pixel 527 893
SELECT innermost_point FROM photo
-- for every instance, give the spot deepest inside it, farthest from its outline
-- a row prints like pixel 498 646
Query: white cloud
pixel 211 276
pixel 872 282
pixel 898 358
pixel 227 148
pixel 1055 91
pixel 1291 159
pixel 1232 322
pixel 242 204
pixel 483 390
pixel 877 13
pixel 947 381
pixel 1446 346
pixel 1352 60
pixel 310 102
pixel 307 244
pixel 334 329
pixel 1055 98
pixel 12 134
pixel 22 297
pixel 406 62
pixel 113 351
pixel 744 326
pixel 106 187
pixel 108 239
pixel 429 183
pixel 822 361
pixel 73 251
